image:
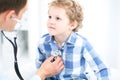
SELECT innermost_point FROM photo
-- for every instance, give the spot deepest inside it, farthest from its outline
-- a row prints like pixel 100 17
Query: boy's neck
pixel 61 39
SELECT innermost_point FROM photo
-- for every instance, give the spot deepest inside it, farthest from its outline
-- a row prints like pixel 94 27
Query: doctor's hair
pixel 16 5
pixel 73 10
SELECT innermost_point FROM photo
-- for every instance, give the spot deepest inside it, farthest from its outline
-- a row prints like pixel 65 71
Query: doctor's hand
pixel 49 68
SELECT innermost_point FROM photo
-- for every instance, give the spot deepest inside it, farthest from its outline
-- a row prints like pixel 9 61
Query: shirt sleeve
pixel 35 77
pixel 99 68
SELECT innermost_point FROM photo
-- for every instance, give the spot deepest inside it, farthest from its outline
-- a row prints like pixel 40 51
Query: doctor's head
pixel 10 10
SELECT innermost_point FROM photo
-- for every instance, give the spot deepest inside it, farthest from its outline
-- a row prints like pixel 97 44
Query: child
pixel 65 18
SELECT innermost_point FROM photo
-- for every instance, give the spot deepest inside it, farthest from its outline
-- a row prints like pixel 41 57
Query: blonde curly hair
pixel 73 10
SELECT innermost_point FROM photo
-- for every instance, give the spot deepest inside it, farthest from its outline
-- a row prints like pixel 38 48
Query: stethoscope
pixel 15 48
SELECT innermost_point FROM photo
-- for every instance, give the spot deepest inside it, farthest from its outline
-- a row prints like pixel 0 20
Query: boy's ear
pixel 74 25
pixel 10 14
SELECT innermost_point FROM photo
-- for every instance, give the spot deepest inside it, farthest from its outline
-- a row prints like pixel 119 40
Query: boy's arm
pixel 99 68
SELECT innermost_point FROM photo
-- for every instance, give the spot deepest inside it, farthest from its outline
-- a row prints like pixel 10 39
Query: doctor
pixel 12 10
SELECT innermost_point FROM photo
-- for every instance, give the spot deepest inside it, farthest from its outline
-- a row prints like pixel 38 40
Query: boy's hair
pixel 73 10
pixel 16 5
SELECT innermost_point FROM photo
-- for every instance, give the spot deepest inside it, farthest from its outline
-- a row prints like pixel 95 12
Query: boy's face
pixel 6 21
pixel 58 21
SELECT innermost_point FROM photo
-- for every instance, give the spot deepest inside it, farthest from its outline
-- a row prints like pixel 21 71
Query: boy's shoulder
pixel 83 41
pixel 80 39
pixel 79 36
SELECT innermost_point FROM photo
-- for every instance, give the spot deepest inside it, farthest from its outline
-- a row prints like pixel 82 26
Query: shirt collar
pixel 72 38
pixel 49 38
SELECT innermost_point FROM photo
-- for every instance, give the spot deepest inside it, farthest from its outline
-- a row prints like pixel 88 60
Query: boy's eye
pixel 57 18
pixel 50 17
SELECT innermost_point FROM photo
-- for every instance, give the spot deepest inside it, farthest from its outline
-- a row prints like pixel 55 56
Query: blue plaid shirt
pixel 75 52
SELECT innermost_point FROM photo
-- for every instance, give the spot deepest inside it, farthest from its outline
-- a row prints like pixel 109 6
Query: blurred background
pixel 101 27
